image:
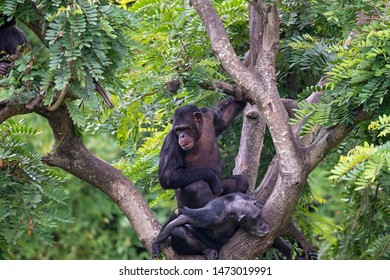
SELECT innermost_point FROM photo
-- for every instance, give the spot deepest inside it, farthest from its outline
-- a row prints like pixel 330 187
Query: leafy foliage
pixel 169 44
pixel 382 125
pixel 84 42
pixel 309 55
pixel 358 76
pixel 358 81
pixel 77 42
pixel 306 37
pixel 25 181
pixel 366 169
pixel 133 48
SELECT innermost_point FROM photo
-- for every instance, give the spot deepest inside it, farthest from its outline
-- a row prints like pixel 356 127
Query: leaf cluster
pixel 82 42
pixel 358 81
pixel 307 57
pixel 26 181
pixel 365 171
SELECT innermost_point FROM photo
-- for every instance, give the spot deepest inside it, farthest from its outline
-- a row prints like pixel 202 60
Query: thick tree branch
pixel 268 183
pixel 280 189
pixel 256 26
pixel 253 127
pixel 9 109
pixel 71 155
pixel 329 138
pixel 251 143
pixel 261 87
pixel 315 146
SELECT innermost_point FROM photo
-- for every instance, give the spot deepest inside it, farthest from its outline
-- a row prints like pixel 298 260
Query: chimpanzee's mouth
pixel 187 146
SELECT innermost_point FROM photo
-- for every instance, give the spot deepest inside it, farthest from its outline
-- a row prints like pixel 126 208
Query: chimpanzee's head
pixel 187 124
pixel 250 219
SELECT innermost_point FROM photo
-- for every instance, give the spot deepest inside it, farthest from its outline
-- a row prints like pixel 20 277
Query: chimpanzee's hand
pixel 156 251
pixel 311 255
pixel 4 68
pixel 216 187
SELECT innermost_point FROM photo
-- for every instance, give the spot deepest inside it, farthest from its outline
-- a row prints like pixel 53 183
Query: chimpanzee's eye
pixel 179 130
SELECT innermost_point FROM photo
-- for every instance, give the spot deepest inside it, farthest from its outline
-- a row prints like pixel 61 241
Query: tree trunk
pixel 261 87
pixel 253 128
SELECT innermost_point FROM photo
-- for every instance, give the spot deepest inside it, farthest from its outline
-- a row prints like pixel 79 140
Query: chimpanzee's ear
pixel 198 116
pixel 258 204
pixel 171 120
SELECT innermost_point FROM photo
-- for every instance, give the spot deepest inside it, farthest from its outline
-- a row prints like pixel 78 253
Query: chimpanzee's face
pixel 251 221
pixel 255 227
pixel 187 126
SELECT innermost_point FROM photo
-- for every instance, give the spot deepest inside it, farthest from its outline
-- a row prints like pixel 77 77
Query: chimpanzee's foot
pixel 210 254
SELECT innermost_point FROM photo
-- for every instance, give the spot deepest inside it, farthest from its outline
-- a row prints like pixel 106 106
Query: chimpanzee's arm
pixel 212 215
pixel 166 231
pixel 184 176
pixel 177 178
pixel 225 113
pixel 201 218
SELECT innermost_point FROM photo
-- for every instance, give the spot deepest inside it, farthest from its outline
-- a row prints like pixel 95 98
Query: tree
pixel 85 40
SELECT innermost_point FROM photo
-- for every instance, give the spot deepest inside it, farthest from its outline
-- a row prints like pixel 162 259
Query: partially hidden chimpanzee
pixel 12 43
pixel 190 163
pixel 216 222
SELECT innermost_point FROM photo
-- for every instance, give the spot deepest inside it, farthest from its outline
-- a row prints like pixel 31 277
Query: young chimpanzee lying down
pixel 215 223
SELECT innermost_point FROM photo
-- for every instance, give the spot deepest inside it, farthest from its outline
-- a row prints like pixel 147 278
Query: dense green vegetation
pixel 133 48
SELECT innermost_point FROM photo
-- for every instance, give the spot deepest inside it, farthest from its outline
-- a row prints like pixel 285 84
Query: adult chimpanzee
pixel 216 222
pixel 12 43
pixel 190 161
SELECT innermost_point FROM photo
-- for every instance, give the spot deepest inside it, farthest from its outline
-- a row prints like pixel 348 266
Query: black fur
pixel 190 161
pixel 12 42
pixel 215 223
pixel 205 230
